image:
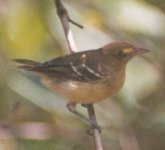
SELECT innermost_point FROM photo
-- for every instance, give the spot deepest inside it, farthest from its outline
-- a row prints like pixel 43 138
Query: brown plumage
pixel 86 77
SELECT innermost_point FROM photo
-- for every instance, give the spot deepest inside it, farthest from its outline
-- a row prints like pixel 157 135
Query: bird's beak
pixel 139 51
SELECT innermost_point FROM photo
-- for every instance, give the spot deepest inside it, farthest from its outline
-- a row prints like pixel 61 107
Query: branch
pixel 65 19
pixel 95 132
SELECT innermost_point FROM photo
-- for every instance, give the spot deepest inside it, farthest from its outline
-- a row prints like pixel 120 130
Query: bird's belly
pixel 85 92
pixel 81 92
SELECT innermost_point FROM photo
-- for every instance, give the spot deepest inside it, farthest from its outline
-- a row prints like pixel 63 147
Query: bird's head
pixel 123 50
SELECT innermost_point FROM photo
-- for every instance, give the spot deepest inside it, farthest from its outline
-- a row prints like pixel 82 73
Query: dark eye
pixel 120 54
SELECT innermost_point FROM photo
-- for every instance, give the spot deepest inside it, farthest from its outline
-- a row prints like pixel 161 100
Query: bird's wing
pixel 82 66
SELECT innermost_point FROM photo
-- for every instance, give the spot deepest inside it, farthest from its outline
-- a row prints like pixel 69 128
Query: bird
pixel 86 77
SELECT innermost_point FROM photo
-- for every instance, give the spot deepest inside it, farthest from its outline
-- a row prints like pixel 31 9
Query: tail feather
pixel 27 64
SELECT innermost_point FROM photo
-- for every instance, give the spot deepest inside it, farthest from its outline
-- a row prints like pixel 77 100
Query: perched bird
pixel 86 77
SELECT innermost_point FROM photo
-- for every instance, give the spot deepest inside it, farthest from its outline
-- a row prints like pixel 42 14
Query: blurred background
pixel 32 117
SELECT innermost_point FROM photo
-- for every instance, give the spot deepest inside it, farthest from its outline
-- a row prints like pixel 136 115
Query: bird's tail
pixel 27 64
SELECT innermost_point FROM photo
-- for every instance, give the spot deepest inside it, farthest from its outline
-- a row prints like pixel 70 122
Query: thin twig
pixel 95 132
pixel 75 23
pixel 65 19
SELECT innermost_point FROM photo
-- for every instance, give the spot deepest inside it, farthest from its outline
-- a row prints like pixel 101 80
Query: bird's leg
pixel 72 108
pixel 92 117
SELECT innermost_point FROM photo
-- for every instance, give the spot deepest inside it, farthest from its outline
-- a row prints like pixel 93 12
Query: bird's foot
pixel 93 127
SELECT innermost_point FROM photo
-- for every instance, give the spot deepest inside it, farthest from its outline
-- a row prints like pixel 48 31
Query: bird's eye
pixel 120 54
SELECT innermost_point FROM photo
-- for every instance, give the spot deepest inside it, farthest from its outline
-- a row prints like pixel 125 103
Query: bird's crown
pixel 122 49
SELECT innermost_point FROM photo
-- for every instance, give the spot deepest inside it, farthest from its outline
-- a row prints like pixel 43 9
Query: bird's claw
pixel 92 127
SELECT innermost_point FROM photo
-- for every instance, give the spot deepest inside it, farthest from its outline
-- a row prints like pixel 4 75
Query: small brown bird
pixel 86 77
